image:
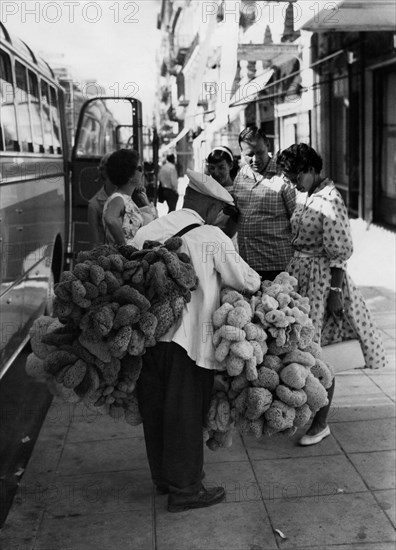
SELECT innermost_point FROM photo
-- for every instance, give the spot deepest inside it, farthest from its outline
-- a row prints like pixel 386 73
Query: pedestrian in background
pixel 322 243
pixel 168 179
pixel 97 202
pixel 266 203
pixel 219 164
pixel 121 215
pixel 175 384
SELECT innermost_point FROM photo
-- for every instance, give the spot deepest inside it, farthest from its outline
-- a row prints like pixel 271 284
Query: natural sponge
pixel 267 378
pixel 39 328
pixel 279 416
pixel 294 375
pixel 293 398
pixel 322 372
pixel 258 401
pixel 303 414
pixel 299 356
pixel 220 315
pixel 34 366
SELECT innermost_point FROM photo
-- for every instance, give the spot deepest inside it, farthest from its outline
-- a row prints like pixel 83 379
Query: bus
pixel 45 184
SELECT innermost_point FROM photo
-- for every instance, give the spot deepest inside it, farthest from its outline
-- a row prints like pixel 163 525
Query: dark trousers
pixel 269 275
pixel 171 198
pixel 174 398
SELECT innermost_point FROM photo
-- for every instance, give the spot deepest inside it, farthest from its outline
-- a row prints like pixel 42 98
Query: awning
pixel 346 15
pixel 249 90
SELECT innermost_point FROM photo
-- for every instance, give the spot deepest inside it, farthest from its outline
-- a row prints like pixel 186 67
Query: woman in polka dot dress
pixel 322 242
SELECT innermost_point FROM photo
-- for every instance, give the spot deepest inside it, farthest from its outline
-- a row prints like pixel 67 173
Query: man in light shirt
pixel 176 381
pixel 266 203
pixel 168 179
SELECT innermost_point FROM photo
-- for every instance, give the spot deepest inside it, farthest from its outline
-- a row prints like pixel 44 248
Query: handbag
pixel 342 356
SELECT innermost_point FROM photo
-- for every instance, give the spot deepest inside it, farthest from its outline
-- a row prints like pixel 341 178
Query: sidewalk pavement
pixel 87 484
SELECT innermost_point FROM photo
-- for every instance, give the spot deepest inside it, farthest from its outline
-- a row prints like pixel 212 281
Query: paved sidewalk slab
pixel 378 468
pixel 115 531
pixel 103 456
pixel 279 446
pixel 347 413
pixel 331 520
pixel 370 435
pixel 387 501
pixel 101 428
pixel 292 478
pixel 234 526
pixel 92 493
pixel 375 546
pixel 237 478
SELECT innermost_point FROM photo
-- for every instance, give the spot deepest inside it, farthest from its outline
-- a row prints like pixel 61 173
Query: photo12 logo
pixel 68 11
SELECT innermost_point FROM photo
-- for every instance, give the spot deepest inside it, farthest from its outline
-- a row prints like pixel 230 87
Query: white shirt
pixel 168 176
pixel 216 264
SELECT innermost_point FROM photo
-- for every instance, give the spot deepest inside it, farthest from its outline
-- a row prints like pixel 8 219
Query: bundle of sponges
pixel 270 386
pixel 283 313
pixel 157 277
pixel 240 344
pixel 110 308
pixel 75 374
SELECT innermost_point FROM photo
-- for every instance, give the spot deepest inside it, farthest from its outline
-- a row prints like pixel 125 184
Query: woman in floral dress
pixel 321 238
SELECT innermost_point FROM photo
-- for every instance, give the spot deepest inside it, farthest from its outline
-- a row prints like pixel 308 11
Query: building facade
pixel 328 79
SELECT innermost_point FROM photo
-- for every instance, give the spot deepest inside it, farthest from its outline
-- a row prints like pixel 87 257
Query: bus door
pixel 105 125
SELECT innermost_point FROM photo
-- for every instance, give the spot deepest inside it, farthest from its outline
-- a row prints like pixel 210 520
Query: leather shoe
pixel 163 489
pixel 314 439
pixel 202 499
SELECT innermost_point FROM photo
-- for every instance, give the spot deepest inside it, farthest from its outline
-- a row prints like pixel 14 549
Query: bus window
pixel 8 134
pixel 90 136
pixel 45 111
pixel 55 120
pixel 25 133
pixel 109 143
pixel 34 100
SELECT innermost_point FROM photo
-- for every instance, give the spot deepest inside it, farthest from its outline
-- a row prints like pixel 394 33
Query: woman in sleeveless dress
pixel 121 216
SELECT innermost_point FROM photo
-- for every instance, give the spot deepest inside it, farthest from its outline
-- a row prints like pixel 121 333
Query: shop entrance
pixel 385 138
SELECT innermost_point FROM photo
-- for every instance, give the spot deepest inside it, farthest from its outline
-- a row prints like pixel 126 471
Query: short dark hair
pixel 171 158
pixel 219 154
pixel 252 133
pixel 121 166
pixel 299 158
